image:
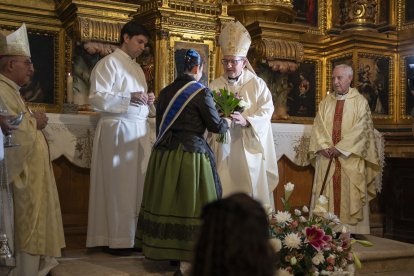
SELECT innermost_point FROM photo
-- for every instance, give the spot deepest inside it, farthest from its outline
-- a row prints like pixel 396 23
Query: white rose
pixel 288 190
pixel 297 212
pixel 319 210
pixel 289 187
pixel 323 200
pixel 315 261
pixel 268 209
pixel 276 244
pixel 293 261
pixel 318 258
pixel 305 209
pixel 244 104
pixel 283 272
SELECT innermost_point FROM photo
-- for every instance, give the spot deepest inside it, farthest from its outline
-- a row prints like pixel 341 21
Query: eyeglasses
pixel 26 62
pixel 230 61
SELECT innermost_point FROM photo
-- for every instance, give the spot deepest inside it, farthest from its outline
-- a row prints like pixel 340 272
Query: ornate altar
pixel 295 46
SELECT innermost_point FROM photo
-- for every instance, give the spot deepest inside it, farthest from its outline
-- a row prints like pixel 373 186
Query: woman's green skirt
pixel 177 185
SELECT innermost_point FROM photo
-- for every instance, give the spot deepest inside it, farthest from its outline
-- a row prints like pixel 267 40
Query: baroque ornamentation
pixel 87 29
pixel 359 13
pixel 271 49
pixel 248 11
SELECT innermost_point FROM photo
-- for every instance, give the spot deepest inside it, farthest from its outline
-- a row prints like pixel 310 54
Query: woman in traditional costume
pixel 181 176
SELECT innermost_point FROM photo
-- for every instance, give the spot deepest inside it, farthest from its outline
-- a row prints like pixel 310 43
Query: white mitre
pixel 15 44
pixel 234 40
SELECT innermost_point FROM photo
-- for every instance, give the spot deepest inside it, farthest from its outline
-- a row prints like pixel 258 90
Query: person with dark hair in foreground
pixel 234 239
pixel 181 176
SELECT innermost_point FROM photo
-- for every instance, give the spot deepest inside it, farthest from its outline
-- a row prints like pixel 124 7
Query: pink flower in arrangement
pixel 294 224
pixel 316 237
pixel 346 240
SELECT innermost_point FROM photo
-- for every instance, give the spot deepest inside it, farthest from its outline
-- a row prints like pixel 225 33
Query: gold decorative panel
pixel 86 29
pixel 271 49
pixel 248 11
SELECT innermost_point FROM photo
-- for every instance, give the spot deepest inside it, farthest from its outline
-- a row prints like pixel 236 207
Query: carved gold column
pixel 359 14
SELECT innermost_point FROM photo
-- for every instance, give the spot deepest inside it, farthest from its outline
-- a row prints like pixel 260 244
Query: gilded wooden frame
pixel 403 7
pixel 204 46
pixel 323 17
pixel 383 84
pixel 312 70
pixel 406 105
pixel 46 54
pixel 383 65
pixel 180 48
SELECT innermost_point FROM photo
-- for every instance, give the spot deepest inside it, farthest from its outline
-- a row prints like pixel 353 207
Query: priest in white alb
pixel 247 163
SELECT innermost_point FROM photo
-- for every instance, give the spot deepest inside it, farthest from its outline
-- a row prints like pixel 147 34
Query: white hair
pixel 348 69
pixel 3 62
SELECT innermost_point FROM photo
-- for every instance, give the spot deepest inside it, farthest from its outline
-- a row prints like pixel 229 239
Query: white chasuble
pixel 248 162
pixel 121 151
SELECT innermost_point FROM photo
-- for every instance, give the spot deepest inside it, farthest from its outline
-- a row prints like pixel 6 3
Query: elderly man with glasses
pixel 248 162
pixel 38 229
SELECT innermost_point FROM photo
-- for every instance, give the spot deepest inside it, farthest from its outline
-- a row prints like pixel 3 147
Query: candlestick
pixel 69 88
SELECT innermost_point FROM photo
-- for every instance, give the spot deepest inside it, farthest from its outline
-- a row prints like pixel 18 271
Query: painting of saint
pixel 307 11
pixel 372 82
pixel 409 72
pixel 86 56
pixel 301 101
pixel 41 88
pixel 409 11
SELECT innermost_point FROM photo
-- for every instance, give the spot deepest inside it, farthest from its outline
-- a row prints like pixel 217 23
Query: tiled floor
pixel 97 263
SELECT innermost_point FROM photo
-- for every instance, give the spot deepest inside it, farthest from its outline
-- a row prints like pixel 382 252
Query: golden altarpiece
pixel 295 44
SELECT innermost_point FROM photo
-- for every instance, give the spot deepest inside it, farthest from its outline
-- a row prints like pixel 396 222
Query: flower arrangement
pixel 228 102
pixel 311 246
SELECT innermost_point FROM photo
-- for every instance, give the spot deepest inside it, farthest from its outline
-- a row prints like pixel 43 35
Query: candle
pixel 69 88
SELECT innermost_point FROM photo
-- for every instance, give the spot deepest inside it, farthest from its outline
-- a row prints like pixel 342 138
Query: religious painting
pixel 409 11
pixel 43 92
pixel 42 85
pixel 306 11
pixel 373 81
pixel 295 89
pixel 409 85
pixel 180 48
pixel 301 100
pixel 85 57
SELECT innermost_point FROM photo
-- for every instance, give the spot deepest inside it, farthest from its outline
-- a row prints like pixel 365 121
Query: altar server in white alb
pixel 121 146
pixel 248 162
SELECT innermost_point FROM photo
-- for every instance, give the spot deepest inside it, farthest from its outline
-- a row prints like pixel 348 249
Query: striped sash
pixel 177 105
